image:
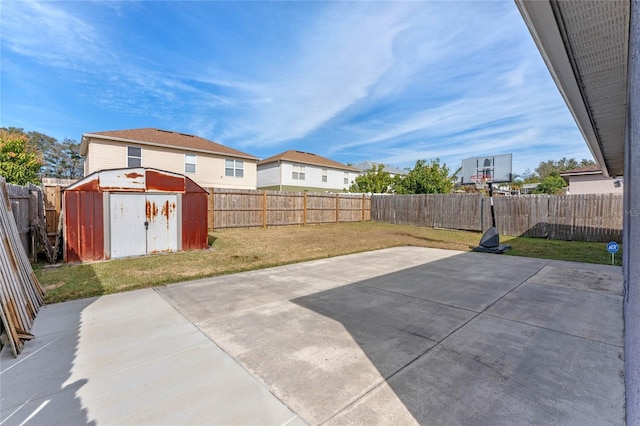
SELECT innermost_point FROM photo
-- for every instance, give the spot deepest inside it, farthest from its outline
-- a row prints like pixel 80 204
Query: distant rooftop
pixel 589 170
pixel 370 165
pixel 301 157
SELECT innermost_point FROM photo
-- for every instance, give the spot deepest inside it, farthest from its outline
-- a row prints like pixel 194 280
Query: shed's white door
pixel 162 215
pixel 143 223
pixel 128 233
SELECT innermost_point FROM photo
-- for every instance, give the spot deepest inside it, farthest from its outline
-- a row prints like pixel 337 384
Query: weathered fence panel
pixel 20 198
pixel 588 217
pixel 20 293
pixel 233 208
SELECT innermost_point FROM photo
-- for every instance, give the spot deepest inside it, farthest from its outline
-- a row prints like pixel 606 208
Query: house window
pixel 189 163
pixel 234 168
pixel 134 156
pixel 298 172
pixel 324 175
pixel 346 178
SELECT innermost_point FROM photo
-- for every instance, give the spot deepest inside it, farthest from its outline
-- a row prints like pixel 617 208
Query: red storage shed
pixel 131 212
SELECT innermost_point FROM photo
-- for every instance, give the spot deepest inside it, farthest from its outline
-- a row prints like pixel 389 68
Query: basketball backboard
pixel 494 169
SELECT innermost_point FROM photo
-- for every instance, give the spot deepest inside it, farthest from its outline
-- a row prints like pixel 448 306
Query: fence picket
pixel 581 217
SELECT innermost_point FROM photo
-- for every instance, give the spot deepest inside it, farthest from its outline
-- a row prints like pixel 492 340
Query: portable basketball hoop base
pixel 490 241
pixel 485 171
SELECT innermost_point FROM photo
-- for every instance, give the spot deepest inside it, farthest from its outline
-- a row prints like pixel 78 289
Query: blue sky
pixel 384 81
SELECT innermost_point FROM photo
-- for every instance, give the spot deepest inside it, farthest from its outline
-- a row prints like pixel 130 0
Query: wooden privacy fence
pixel 583 217
pixel 28 208
pixel 20 293
pixel 233 208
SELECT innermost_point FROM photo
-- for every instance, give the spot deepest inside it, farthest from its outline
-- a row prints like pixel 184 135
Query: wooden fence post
pixel 337 207
pixel 264 209
pixel 212 211
pixel 363 207
pixel 304 213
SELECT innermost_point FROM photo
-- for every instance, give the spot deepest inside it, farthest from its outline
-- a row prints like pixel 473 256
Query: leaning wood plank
pixel 21 295
pixel 25 336
pixel 14 341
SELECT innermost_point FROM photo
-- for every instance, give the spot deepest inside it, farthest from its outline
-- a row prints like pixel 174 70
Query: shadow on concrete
pixel 571 232
pixel 457 341
pixel 52 393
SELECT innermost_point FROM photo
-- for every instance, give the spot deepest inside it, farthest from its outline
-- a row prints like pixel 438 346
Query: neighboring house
pixel 528 188
pixel 302 171
pixel 366 166
pixel 207 163
pixel 590 180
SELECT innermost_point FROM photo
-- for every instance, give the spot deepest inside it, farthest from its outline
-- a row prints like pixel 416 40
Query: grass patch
pixel 237 250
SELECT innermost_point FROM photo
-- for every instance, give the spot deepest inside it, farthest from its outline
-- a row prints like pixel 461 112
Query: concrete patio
pixel 397 336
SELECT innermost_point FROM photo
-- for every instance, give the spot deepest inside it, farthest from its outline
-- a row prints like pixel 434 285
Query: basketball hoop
pixel 480 180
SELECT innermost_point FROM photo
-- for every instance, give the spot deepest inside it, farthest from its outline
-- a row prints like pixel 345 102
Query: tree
pixel 425 178
pixel 376 180
pixel 547 168
pixel 552 184
pixel 64 161
pixel 19 163
pixel 59 159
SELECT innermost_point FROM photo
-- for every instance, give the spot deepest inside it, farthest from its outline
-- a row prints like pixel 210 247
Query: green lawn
pixel 236 250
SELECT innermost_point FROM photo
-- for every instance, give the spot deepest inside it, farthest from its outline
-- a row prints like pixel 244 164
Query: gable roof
pixel 370 165
pixel 300 157
pixel 164 138
pixel 589 170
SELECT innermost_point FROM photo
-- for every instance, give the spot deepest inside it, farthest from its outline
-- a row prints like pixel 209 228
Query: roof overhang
pixel 585 45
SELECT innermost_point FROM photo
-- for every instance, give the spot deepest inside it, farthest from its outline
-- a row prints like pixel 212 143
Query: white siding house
pixel 590 180
pixel 207 163
pixel 302 171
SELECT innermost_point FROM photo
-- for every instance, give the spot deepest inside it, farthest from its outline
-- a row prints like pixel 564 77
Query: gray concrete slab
pixel 498 372
pixel 383 347
pixel 128 358
pixel 210 298
pixel 587 314
pixel 322 351
pixel 584 276
pixel 398 336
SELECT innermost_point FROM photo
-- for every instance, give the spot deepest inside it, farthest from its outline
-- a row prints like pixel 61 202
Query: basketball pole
pixel 493 213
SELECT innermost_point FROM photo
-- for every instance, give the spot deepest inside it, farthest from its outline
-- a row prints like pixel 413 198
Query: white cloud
pixel 47 33
pixel 333 65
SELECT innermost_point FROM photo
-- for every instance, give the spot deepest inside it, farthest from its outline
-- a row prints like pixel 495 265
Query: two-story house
pixel 207 163
pixel 302 171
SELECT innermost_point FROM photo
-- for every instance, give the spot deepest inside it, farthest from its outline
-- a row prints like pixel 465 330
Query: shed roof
pixel 301 157
pixel 165 138
pixel 138 179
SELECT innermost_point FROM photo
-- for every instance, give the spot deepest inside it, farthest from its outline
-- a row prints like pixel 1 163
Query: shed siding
pixel 194 223
pixel 84 239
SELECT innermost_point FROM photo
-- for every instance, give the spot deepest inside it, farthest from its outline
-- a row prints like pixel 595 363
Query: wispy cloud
pixel 383 81
pixel 47 33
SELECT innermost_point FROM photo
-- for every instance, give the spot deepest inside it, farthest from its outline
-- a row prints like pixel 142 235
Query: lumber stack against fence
pixel 580 217
pixel 20 293
pixel 233 208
